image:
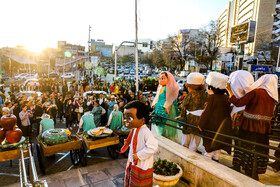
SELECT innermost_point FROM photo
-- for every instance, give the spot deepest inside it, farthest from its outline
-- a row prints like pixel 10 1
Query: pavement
pixel 61 162
pixel 105 174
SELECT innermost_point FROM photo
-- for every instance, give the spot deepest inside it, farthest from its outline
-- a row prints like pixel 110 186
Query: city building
pixel 241 13
pixel 18 60
pixel 146 46
pixel 126 50
pixel 187 35
pixel 223 27
pixel 188 39
pixel 276 24
pixel 99 48
pixel 78 55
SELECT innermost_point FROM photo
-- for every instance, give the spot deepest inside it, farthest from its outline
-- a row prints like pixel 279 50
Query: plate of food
pixel 100 132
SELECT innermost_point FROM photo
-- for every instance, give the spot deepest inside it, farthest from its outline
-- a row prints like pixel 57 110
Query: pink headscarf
pixel 172 91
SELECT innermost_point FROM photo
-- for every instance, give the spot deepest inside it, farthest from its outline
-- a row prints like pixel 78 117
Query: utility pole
pixel 63 67
pixel 277 60
pixel 49 66
pixel 136 51
pixel 89 43
pixel 116 58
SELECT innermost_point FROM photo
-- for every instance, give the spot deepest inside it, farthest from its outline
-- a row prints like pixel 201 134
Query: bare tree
pixel 211 41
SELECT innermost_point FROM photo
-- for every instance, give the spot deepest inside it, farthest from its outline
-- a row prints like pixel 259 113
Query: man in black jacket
pixel 59 104
pixel 38 112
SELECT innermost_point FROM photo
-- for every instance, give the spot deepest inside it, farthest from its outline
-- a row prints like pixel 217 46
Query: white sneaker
pixel 70 128
pixel 74 125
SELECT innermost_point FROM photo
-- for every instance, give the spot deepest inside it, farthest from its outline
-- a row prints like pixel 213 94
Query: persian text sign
pixel 261 68
pixel 245 32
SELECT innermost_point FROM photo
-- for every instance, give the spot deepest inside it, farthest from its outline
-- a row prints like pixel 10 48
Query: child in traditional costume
pixel 166 104
pixel 255 124
pixel 143 145
pixel 216 116
pixel 192 107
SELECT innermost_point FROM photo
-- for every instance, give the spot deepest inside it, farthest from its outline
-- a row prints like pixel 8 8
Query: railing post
pixel 254 173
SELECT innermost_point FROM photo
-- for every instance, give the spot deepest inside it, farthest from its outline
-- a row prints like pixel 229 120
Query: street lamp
pixel 136 50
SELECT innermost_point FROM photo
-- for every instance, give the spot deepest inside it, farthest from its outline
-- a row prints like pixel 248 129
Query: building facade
pixel 126 50
pixel 78 55
pixel 276 25
pixel 223 27
pixel 242 11
pixel 99 48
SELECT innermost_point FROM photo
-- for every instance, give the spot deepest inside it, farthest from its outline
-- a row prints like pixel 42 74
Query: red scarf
pixel 128 141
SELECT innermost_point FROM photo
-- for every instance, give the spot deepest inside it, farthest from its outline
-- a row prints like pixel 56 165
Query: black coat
pixel 216 117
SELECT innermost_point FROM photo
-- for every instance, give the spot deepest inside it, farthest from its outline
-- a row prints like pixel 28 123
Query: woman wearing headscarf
pixel 46 123
pixel 97 111
pixel 255 124
pixel 166 104
pixel 111 104
pixel 115 119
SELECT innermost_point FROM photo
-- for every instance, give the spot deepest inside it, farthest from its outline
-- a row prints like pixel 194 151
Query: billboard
pixel 245 32
pixel 216 65
pixel 94 60
pixel 185 30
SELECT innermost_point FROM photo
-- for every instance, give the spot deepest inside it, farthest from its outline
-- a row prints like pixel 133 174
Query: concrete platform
pixel 105 174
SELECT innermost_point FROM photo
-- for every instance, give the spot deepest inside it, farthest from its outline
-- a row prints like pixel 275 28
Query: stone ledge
pixel 199 170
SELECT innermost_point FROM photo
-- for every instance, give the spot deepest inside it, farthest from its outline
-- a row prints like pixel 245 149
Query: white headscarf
pixel 242 82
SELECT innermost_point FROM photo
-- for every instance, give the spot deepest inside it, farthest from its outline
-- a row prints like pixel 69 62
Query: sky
pixel 37 24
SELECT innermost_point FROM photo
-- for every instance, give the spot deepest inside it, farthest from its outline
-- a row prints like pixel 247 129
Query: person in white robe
pixel 143 145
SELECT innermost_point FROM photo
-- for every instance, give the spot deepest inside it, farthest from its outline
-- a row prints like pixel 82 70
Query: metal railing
pixel 254 169
pixel 33 177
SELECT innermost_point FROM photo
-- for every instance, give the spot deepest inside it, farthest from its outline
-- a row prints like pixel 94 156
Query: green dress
pixel 88 122
pixel 165 130
pixel 47 124
pixel 116 121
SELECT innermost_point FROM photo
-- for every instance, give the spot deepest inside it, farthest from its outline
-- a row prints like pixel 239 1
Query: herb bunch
pixel 166 168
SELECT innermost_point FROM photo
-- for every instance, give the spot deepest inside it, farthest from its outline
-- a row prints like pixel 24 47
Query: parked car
pixel 126 71
pixel 28 93
pixel 67 76
pixel 146 94
pixel 111 71
pixel 183 73
pixel 5 77
pixel 142 75
pixel 31 82
pixel 97 93
pixel 20 76
pixel 132 72
pixel 30 76
pixel 181 83
pixel 53 75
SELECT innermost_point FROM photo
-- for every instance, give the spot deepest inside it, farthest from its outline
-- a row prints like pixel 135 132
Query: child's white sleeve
pixel 151 146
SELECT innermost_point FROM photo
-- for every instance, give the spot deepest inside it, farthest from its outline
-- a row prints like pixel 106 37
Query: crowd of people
pixel 68 103
pixel 234 105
